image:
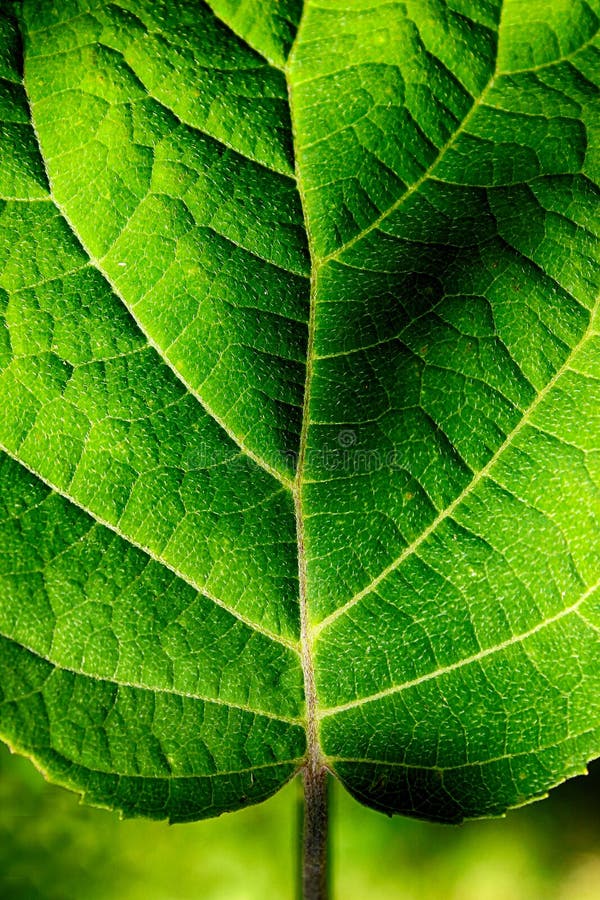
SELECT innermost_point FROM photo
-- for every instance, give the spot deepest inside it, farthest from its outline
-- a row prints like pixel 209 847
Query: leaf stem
pixel 315 843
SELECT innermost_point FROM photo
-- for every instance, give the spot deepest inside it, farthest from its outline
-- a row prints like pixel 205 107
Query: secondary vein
pixel 337 254
pixel 237 439
pixel 483 654
pixel 114 528
pixel 138 686
pixel 467 491
pixel 477 101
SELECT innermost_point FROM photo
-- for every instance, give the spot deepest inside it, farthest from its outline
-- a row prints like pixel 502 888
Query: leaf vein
pixel 278 639
pixel 468 490
pixel 140 686
pixel 477 657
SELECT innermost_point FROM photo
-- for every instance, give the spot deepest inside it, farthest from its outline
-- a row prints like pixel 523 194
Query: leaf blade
pixel 450 324
pixel 391 469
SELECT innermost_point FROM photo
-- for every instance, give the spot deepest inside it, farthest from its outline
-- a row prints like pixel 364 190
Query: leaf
pixel 301 380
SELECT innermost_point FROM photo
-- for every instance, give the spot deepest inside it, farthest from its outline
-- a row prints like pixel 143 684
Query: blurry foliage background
pixel 52 848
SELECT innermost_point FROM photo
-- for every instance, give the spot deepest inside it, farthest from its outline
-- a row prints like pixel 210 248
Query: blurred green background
pixel 52 848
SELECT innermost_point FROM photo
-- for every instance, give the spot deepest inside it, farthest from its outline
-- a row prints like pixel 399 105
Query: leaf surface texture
pixel 300 369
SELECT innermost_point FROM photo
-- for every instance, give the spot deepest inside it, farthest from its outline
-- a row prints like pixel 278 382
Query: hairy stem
pixel 315 846
pixel 314 874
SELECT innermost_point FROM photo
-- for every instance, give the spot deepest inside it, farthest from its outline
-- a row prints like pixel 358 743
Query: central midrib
pixel 314 757
pixel 309 633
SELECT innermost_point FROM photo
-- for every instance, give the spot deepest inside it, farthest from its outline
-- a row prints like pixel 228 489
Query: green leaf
pixel 300 371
